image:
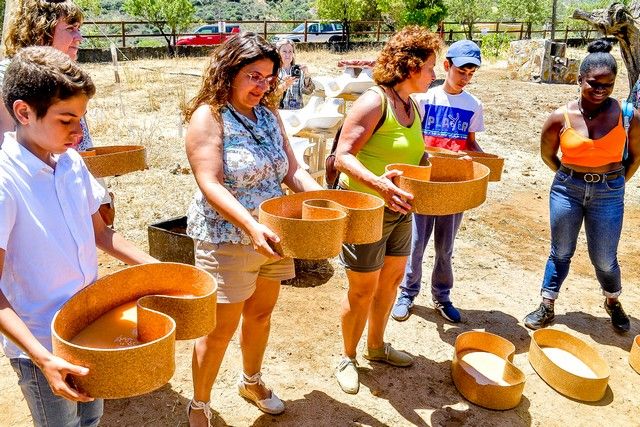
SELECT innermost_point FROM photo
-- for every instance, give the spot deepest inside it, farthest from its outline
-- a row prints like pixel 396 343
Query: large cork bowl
pixel 115 160
pixel 314 224
pixel 443 152
pixel 569 365
pixel 634 355
pixel 483 371
pixel 172 301
pixel 454 186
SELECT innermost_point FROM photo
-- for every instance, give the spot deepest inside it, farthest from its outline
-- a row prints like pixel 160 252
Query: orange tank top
pixel 582 151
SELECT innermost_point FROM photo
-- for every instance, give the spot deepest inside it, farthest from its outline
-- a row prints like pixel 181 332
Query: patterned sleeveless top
pixel 253 173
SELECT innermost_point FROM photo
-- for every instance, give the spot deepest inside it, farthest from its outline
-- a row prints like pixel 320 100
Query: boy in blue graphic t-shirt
pixel 450 118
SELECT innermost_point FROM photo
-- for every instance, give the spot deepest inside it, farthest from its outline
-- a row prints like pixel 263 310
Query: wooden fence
pixel 124 33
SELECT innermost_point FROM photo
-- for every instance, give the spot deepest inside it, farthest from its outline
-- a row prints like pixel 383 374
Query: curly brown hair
pixel 405 53
pixel 33 23
pixel 225 62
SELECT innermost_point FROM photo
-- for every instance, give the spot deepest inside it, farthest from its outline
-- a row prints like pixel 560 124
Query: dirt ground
pixel 500 255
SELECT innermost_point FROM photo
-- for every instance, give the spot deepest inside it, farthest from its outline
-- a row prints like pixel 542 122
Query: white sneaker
pixel 347 375
pixel 271 405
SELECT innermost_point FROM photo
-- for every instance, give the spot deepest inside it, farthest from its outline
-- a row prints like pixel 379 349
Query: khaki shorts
pixel 236 268
pixel 395 241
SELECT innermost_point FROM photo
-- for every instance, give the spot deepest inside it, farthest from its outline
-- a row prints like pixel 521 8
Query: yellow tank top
pixel 391 143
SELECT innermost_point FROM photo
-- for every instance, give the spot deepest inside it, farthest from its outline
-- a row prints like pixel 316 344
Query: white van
pixel 317 32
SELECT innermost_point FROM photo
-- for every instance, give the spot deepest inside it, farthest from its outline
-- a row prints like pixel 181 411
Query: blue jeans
pixel 601 206
pixel 48 409
pixel 445 228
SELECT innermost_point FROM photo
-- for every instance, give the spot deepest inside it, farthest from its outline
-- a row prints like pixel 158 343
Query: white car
pixel 317 32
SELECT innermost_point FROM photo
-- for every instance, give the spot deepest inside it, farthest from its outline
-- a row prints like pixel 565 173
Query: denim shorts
pixel 395 241
pixel 48 409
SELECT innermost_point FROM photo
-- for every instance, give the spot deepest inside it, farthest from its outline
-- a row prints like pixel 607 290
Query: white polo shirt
pixel 47 233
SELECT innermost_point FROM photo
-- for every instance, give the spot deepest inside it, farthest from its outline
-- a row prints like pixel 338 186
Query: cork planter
pixel 314 224
pixel 454 186
pixel 443 152
pixel 493 162
pixel 569 365
pixel 483 371
pixel 115 160
pixel 634 355
pixel 124 326
pixel 169 242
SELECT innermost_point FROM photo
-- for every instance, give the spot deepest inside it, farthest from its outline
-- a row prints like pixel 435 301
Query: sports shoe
pixel 402 309
pixel 540 318
pixel 390 355
pixel 271 405
pixel 448 311
pixel 619 318
pixel 347 375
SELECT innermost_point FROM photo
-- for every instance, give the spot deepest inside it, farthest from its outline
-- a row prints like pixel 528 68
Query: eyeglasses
pixel 599 86
pixel 259 79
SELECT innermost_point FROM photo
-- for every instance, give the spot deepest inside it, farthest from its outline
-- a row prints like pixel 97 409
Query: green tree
pixel 168 16
pixel 413 12
pixel 533 11
pixel 342 10
pixel 468 12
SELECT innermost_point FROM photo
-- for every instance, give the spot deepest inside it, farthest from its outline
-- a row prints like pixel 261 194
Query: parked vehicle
pixel 209 35
pixel 317 32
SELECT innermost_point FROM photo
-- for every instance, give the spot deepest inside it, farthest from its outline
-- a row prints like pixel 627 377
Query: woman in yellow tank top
pixel 597 159
pixel 369 141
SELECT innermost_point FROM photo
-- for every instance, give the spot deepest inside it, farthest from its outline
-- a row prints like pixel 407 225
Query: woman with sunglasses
pixel 598 157
pixel 240 156
pixel 56 24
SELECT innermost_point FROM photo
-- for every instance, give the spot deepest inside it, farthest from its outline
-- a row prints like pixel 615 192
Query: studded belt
pixel 592 177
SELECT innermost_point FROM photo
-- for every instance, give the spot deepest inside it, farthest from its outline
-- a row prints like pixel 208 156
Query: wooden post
pixel 306 27
pixel 566 33
pixel 521 30
pixel 378 32
pixel 497 27
pixel 124 43
pixel 265 30
pixel 451 34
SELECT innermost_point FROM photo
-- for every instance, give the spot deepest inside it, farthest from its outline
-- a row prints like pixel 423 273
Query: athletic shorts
pixel 396 241
pixel 236 268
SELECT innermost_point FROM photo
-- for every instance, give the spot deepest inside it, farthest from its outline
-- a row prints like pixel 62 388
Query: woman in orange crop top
pixel 597 159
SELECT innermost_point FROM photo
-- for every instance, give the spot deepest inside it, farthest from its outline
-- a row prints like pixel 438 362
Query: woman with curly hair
pixel 240 156
pixel 382 127
pixel 56 24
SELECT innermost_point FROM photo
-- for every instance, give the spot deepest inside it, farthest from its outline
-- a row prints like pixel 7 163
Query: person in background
pixel 437 108
pixel 382 127
pixel 598 158
pixel 56 24
pixel 240 157
pixel 294 78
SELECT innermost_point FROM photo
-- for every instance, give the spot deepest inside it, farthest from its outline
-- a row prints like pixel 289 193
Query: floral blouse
pixel 253 172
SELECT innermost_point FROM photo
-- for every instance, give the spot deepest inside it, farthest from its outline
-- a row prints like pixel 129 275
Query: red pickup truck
pixel 209 35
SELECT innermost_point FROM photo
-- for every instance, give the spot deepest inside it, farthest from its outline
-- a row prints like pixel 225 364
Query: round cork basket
pixel 443 152
pixel 454 186
pixel 314 224
pixel 161 319
pixel 560 369
pixel 483 381
pixel 493 162
pixel 634 355
pixel 115 160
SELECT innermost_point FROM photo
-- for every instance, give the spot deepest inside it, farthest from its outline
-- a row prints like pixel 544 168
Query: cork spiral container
pixel 482 380
pixel 115 160
pixel 174 301
pixel 314 224
pixel 569 365
pixel 634 355
pixel 454 186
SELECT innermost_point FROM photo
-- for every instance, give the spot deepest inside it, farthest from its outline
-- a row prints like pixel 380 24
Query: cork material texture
pixel 569 365
pixel 443 152
pixel 454 186
pixel 634 355
pixel 123 327
pixel 115 160
pixel 494 162
pixel 314 224
pixel 483 371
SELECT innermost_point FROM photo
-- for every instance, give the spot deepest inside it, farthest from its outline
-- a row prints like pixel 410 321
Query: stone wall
pixel 541 61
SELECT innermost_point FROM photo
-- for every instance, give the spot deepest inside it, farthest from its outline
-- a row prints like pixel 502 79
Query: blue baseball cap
pixel 464 52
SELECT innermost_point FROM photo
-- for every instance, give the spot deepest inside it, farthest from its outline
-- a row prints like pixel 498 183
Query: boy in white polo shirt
pixel 49 228
pixel 451 116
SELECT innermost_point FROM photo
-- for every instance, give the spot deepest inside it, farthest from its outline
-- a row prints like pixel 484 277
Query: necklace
pixel 593 114
pixel 406 105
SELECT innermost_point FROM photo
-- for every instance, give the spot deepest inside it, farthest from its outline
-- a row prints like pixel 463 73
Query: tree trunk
pixel 622 23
